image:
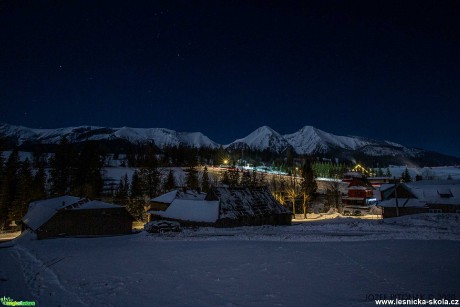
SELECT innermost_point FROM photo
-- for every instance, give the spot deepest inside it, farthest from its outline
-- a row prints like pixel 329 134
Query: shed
pixel 226 207
pixel 163 201
pixel 73 216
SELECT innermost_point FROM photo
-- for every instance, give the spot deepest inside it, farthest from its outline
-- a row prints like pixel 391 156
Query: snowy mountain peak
pixel 263 138
pixel 310 140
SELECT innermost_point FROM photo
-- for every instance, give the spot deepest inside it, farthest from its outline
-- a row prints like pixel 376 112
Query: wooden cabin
pixel 73 216
pixel 227 207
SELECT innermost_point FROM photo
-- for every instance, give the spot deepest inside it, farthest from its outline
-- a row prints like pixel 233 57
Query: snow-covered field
pixel 437 173
pixel 338 262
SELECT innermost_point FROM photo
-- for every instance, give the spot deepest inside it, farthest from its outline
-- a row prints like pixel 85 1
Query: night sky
pixel 380 69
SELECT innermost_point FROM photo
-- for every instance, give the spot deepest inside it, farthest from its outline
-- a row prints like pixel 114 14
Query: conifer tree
pixel 86 179
pixel 9 192
pixel 39 182
pixel 406 176
pixel 3 210
pixel 136 186
pixel 388 173
pixel 150 178
pixel 170 182
pixel 61 168
pixel 136 202
pixel 122 192
pixel 191 179
pixel 205 185
pixel 24 192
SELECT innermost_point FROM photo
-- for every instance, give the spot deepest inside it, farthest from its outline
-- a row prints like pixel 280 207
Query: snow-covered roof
pixel 436 192
pixel 403 203
pixel 386 186
pixel 191 210
pixel 434 182
pixel 165 198
pixel 41 211
pixel 241 202
pixel 179 194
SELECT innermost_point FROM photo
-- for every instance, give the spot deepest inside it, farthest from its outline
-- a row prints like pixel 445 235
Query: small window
pixel 435 211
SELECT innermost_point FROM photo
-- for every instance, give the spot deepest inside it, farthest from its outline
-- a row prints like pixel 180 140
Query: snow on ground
pixel 117 173
pixel 338 262
pixel 441 172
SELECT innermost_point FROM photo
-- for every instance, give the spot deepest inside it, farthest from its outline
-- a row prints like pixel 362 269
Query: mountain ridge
pixel 308 140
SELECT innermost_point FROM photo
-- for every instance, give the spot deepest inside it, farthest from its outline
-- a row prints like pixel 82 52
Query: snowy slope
pixel 261 139
pixel 309 140
pixel 161 136
pixel 340 262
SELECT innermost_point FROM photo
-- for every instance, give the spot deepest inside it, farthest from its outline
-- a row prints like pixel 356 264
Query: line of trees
pixel 151 180
pixel 68 171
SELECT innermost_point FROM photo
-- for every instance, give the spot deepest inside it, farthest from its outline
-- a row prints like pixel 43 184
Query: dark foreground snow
pixel 233 267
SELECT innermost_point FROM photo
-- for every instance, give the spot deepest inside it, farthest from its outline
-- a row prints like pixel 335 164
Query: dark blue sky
pixel 380 69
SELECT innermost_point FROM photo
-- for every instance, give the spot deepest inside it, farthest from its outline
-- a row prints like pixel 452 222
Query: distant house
pixel 73 216
pixel 360 191
pixel 425 196
pixel 162 202
pixel 225 207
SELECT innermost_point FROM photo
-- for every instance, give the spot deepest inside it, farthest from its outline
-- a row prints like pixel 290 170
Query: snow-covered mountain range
pixel 310 140
pixel 160 136
pixel 307 140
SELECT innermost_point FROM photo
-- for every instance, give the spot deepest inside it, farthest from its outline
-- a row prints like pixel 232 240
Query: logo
pixel 8 301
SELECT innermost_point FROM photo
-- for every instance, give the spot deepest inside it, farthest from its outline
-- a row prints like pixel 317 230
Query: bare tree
pixel 308 186
pixel 293 191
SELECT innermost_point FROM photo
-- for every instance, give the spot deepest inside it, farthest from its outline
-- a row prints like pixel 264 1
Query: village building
pixel 223 207
pixel 162 202
pixel 360 194
pixel 425 196
pixel 74 216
